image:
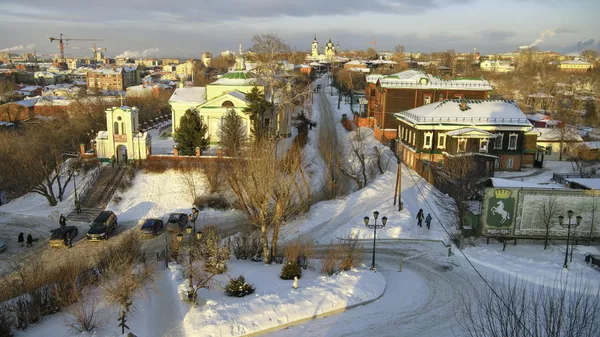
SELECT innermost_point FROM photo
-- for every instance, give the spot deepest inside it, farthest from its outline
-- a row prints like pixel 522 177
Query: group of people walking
pixel 421 216
pixel 21 239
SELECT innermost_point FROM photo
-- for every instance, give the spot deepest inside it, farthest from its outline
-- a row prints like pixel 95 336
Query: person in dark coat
pixel 428 221
pixel 21 238
pixel 113 160
pixel 29 240
pixel 420 217
pixel 77 206
pixel 62 221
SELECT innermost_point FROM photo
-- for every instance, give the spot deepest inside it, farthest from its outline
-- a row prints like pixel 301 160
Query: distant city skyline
pixel 187 28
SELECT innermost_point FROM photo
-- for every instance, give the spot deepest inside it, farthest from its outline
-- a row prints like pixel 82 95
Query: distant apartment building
pixel 206 57
pixel 496 66
pixel 575 66
pixel 27 67
pixel 147 62
pixel 166 61
pixel 113 79
pixel 185 69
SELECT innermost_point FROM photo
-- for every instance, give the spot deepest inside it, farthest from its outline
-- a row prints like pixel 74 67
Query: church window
pixel 227 104
pixel 116 128
pixel 122 129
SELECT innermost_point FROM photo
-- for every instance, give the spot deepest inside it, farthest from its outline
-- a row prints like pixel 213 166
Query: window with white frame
pixel 462 145
pixel 509 163
pixel 427 100
pixel 441 141
pixel 498 142
pixel 427 140
pixel 483 145
pixel 512 141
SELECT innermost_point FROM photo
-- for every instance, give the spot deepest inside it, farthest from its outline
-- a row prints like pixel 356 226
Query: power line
pixel 466 258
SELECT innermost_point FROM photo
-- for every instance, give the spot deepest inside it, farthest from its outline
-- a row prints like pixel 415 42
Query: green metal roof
pixel 238 75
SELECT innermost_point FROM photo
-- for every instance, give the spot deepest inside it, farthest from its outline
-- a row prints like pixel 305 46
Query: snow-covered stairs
pixel 97 196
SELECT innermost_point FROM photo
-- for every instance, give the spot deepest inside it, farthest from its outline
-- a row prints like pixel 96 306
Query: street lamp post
pixel 375 226
pixel 75 173
pixel 561 220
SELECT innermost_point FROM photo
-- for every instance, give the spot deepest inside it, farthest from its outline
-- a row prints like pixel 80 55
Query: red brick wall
pixel 50 110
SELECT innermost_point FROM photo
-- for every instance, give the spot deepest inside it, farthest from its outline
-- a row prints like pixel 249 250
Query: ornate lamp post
pixel 375 226
pixel 568 225
pixel 75 173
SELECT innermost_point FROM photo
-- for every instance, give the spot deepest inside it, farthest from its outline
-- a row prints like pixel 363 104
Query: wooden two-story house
pixel 390 94
pixel 496 132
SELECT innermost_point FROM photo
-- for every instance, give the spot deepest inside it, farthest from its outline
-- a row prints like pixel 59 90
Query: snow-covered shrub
pixel 300 251
pixel 290 270
pixel 349 253
pixel 212 201
pixel 238 287
pixel 84 316
pixel 330 262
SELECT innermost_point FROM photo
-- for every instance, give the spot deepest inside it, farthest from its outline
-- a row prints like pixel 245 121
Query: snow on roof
pixel 27 102
pixel 420 79
pixel 592 145
pixel 6 124
pixel 478 112
pixel 102 135
pixel 53 101
pixel 580 62
pixel 239 95
pixel 554 134
pixel 355 62
pixel 538 117
pixel 189 94
pixel 510 183
pixel 591 183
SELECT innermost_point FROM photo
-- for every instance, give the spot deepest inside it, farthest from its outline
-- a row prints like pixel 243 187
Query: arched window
pixel 227 104
pixel 116 128
pixel 122 130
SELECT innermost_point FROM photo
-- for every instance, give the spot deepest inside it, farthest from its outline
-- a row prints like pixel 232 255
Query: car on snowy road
pixel 59 237
pixel 177 222
pixel 104 223
pixel 151 227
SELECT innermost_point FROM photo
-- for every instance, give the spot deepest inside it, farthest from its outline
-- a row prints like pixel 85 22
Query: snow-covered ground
pixel 161 145
pixel 275 302
pixel 532 263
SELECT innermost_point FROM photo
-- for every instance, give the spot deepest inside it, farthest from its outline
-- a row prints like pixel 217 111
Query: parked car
pixel 177 222
pixel 2 246
pixel 59 236
pixel 105 223
pixel 151 227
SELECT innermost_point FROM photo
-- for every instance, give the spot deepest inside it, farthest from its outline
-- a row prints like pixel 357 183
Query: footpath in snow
pixel 343 217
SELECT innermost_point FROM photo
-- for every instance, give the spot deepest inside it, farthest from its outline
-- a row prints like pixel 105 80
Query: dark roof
pixel 103 216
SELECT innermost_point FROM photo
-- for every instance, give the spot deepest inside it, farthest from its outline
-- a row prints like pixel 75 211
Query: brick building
pixel 390 94
pixel 113 79
pixel 495 132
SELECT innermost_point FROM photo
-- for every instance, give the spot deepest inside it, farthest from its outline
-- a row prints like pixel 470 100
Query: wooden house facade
pixel 495 132
pixel 411 89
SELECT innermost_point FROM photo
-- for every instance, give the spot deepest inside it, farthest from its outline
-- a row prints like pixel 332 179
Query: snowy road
pixel 422 300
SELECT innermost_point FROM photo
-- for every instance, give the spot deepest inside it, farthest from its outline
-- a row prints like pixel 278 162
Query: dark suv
pixel 177 222
pixel 105 223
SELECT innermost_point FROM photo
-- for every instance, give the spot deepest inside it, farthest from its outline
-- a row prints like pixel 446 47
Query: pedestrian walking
pixel 77 206
pixel 113 160
pixel 62 221
pixel 69 240
pixel 29 240
pixel 21 238
pixel 420 217
pixel 428 221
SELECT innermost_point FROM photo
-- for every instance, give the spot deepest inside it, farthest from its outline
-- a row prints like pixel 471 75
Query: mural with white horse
pixel 499 210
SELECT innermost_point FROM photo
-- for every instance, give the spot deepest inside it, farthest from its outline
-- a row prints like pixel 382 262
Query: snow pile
pixel 275 302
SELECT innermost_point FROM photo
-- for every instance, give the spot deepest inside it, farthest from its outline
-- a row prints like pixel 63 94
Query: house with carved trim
pixel 495 132
pixel 391 94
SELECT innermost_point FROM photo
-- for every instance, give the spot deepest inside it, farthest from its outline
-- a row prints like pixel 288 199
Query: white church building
pixel 123 138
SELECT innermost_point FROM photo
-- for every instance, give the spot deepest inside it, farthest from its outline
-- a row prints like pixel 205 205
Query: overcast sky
pixel 186 28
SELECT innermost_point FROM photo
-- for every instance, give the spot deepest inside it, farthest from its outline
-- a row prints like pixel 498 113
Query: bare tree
pixel 547 212
pixel 518 308
pixel 358 163
pixel 265 191
pixel 399 49
pixel 331 154
pixel 460 179
pixel 191 176
pixel 213 176
pixel 450 60
pixel 84 316
pixel 584 159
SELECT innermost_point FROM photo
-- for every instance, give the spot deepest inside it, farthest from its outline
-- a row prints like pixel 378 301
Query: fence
pixel 91 181
pixel 562 178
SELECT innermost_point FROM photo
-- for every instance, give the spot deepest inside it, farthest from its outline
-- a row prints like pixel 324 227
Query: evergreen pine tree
pixel 191 133
pixel 257 107
pixel 233 133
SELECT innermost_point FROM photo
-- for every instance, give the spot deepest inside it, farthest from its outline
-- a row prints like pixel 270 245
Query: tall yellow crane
pixel 61 40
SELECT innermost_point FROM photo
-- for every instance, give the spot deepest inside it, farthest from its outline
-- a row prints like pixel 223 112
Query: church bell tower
pixel 315 47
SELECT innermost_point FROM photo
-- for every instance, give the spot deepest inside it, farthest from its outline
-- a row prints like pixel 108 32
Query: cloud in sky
pixel 187 28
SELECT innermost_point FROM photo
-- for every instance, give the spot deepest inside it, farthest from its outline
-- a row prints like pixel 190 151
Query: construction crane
pixel 96 50
pixel 62 46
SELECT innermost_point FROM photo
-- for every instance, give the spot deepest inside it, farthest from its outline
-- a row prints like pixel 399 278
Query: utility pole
pixel 398 189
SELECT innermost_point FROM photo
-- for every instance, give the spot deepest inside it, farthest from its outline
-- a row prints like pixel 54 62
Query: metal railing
pixel 91 181
pixel 562 178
